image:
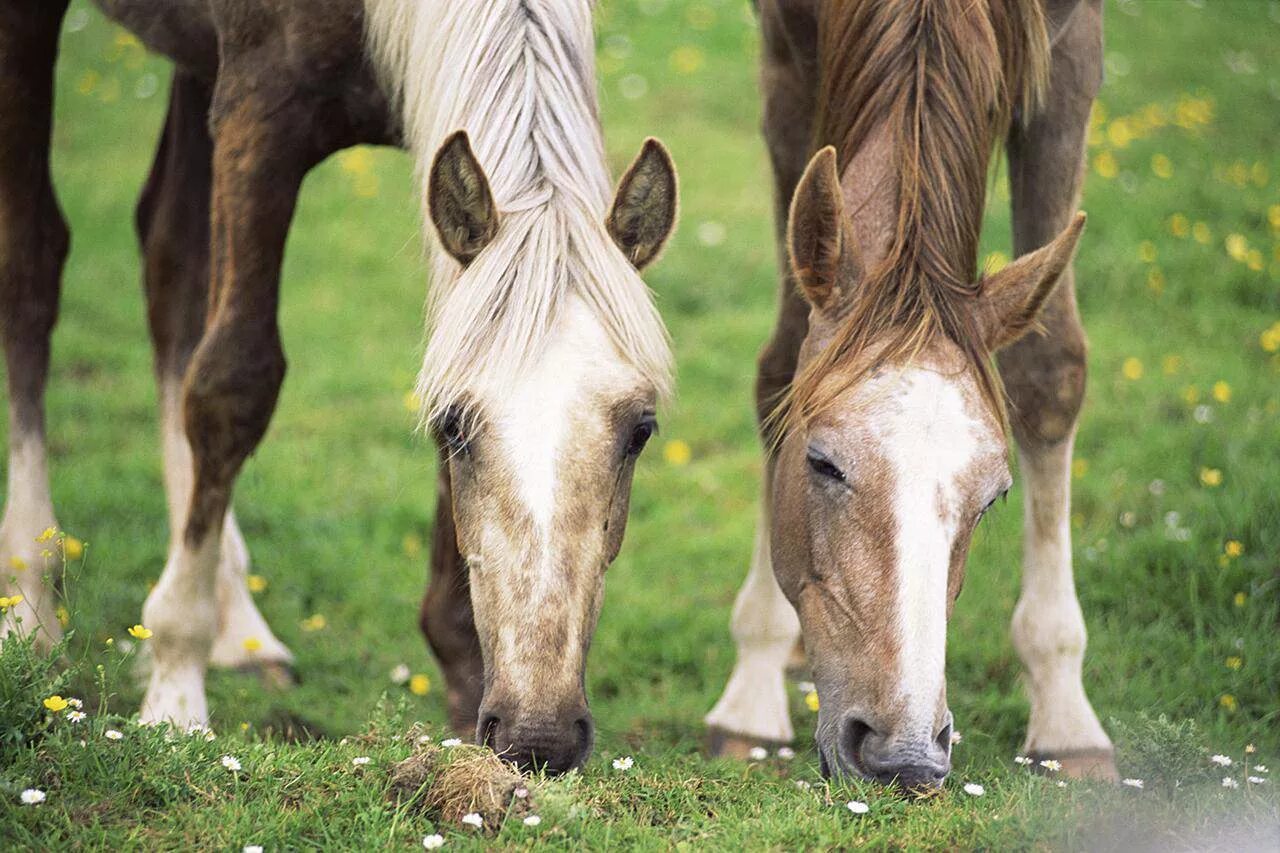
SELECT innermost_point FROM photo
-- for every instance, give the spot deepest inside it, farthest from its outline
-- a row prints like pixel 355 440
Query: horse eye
pixel 823 466
pixel 451 430
pixel 640 436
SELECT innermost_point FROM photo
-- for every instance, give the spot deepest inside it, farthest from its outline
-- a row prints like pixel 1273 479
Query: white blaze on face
pixel 555 413
pixel 930 437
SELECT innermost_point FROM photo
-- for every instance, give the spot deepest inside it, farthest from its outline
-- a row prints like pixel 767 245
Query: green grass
pixel 339 495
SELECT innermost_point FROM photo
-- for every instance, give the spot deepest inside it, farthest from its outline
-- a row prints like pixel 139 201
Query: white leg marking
pixel 239 620
pixel 765 628
pixel 182 610
pixel 23 571
pixel 1048 627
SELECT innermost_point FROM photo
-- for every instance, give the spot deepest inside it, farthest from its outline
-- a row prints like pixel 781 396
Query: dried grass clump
pixel 448 783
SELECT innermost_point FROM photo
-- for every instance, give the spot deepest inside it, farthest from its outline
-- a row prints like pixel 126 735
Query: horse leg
pixel 753 708
pixel 262 148
pixel 447 619
pixel 173 229
pixel 1045 375
pixel 33 245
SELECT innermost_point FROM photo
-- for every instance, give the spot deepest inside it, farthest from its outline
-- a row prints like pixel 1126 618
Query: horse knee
pixel 1044 376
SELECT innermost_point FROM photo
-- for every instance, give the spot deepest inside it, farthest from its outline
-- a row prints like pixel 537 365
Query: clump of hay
pixel 448 783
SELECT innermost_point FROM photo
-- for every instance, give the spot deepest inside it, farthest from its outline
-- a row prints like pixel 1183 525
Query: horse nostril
pixel 944 738
pixel 489 731
pixel 852 739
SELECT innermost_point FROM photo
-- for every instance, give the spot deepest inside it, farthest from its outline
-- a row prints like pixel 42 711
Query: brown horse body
pixel 877 379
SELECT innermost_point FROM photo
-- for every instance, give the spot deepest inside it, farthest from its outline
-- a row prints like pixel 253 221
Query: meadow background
pixel 1176 516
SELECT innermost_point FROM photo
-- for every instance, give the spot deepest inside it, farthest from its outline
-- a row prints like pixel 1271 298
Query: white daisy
pixel 433 841
pixel 400 673
pixel 361 760
pixel 230 762
pixel 1228 782
pixel 75 703
pixel 75 716
pixel 805 687
pixel 786 753
pixel 1132 783
pixel 252 848
pixel 973 789
pixel 1262 768
pixel 625 763
pixel 803 785
pixel 532 820
pixel 1256 780
pixel 451 742
pixel 857 807
pixel 1023 760
pixel 1051 765
pixel 473 819
pixel 758 753
pixel 112 734
pixel 1221 760
pixel 1062 783
pixel 32 796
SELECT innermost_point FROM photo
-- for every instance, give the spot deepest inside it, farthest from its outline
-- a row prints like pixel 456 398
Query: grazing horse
pixel 883 416
pixel 545 356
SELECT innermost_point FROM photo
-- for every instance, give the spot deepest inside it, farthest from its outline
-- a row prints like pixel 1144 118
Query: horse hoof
pixel 727 744
pixel 1098 765
pixel 277 676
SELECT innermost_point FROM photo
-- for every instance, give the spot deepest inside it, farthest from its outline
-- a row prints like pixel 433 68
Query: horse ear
pixel 819 248
pixel 644 208
pixel 460 201
pixel 1013 297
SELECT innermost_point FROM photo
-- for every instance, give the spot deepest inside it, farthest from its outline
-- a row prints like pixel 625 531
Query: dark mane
pixel 944 77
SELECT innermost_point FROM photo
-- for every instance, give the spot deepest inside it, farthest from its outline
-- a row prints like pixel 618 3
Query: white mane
pixel 519 77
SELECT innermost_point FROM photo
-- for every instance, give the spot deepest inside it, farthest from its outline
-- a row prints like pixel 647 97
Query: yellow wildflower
pixel 1179 225
pixel 412 402
pixel 687 59
pixel 1269 340
pixel 256 583
pixel 1234 662
pixel 1254 260
pixel 1119 133
pixel 1210 477
pixel 1147 252
pixel 1162 166
pixel 9 601
pixel 811 700
pixel 1240 599
pixel 1202 233
pixel 56 703
pixel 1237 247
pixel 64 618
pixel 49 533
pixel 72 548
pixel 1105 165
pixel 315 622
pixel 419 685
pixel 1132 368
pixel 252 644
pixel 1079 467
pixel 140 633
pixel 1171 364
pixel 1233 548
pixel 1222 392
pixel 677 452
pixel 1190 395
pixel 17 564
pixel 1228 702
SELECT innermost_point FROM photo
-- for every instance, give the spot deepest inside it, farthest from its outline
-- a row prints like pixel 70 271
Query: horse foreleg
pixel 33 246
pixel 173 228
pixel 1045 375
pixel 261 152
pixel 447 619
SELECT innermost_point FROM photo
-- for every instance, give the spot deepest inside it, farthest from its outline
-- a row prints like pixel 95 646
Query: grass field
pixel 1179 280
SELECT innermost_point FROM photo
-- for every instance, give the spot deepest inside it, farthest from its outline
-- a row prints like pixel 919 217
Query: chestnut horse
pixel 545 357
pixel 883 416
